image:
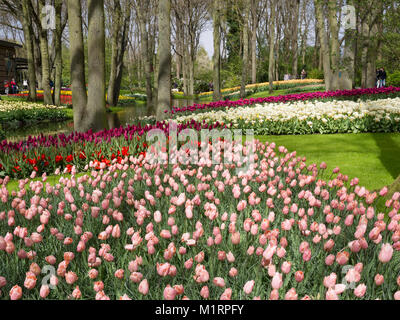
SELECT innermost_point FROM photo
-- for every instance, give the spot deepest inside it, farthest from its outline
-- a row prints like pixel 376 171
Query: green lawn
pixel 373 158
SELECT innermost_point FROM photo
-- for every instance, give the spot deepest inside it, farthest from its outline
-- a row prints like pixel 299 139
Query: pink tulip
pixel 286 266
pixel 205 292
pixel 274 295
pixel 360 290
pixel 3 282
pixel 277 281
pixel 30 280
pixel 169 293
pixel 330 281
pixel 71 277
pixel 291 294
pixel 331 294
pixel 342 257
pixel 119 274
pixel 230 257
pixel 76 294
pixel 219 282
pixel 44 291
pixel 98 286
pixel 385 255
pixel 227 294
pixel 136 277
pixel 233 272
pixel 379 279
pixel 144 287
pixel 93 274
pixel 16 293
pixel 235 238
pixel 353 275
pixel 248 287
pixel 299 276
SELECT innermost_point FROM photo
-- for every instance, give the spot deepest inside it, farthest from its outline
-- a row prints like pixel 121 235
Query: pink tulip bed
pixel 133 230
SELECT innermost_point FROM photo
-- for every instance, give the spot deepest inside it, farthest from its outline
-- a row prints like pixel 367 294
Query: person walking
pixel 383 78
pixel 378 78
pixel 13 86
pixel 6 87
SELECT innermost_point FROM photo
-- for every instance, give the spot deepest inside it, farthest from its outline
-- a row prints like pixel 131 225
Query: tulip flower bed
pixel 65 99
pixel 255 87
pixel 134 230
pixel 354 95
pixel 11 111
pixel 48 154
pixel 309 117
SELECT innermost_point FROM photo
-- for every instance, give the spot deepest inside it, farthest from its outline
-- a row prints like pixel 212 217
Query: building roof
pixel 5 43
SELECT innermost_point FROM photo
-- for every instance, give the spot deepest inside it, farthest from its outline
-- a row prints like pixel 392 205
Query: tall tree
pixel 245 61
pixel 295 34
pixel 120 23
pixel 272 46
pixel 28 35
pixel 58 53
pixel 77 58
pixel 143 11
pixel 330 52
pixel 44 51
pixel 193 14
pixel 164 49
pixel 216 9
pixel 96 65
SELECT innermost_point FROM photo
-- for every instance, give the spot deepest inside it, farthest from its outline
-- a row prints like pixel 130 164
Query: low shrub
pixel 316 74
pixel 394 79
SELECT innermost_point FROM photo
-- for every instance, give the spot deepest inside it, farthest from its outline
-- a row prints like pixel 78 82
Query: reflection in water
pixel 114 120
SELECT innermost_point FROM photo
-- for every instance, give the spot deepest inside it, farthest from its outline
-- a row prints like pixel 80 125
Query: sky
pixel 206 41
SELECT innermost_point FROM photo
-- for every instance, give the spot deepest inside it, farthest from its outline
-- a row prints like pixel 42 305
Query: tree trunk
pixel 185 72
pixel 38 62
pixel 112 100
pixel 156 66
pixel 44 51
pixel 334 44
pixel 58 54
pixel 164 51
pixel 245 49
pixel 296 8
pixel 272 47
pixel 122 45
pixel 77 58
pixel 96 66
pixel 28 34
pixel 254 41
pixel 145 50
pixel 277 44
pixel 347 78
pixel 217 51
pixel 324 44
pixel 191 72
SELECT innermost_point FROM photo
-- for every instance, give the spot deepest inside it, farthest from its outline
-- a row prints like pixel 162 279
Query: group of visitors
pixel 303 75
pixel 10 87
pixel 380 78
